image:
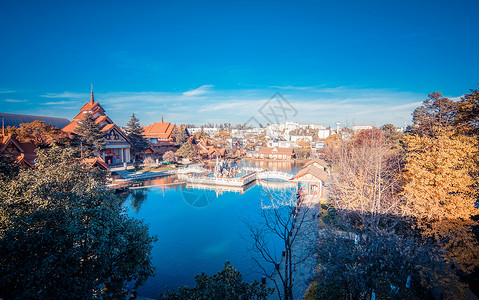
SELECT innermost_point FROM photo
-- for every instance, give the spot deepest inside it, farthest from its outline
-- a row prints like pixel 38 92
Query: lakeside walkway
pixel 303 247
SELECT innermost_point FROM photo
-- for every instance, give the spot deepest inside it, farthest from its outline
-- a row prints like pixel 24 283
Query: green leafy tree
pixel 187 150
pixel 90 136
pixel 63 234
pixel 8 169
pixel 436 111
pixel 468 114
pixel 391 134
pixel 135 134
pixel 226 284
pixel 138 197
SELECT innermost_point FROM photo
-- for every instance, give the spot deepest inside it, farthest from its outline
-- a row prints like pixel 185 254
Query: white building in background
pixel 210 131
pixel 324 133
pixel 362 127
pixel 296 138
pixel 280 143
pixel 284 129
pixel 317 126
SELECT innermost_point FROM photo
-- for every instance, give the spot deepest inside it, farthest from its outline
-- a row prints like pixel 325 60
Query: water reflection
pixel 198 230
pixel 138 196
pixel 271 184
pixel 197 198
pixel 277 165
pixel 199 227
pixel 219 189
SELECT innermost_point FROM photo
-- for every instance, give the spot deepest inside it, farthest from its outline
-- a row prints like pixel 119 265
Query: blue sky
pixel 220 61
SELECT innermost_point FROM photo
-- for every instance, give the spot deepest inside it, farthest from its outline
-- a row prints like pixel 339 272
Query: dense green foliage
pixel 226 284
pixel 391 134
pixel 62 234
pixel 187 150
pixel 135 135
pixel 90 137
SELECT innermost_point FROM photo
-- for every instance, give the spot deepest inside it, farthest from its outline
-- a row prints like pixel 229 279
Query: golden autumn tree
pixel 39 133
pixel 440 194
pixel 331 147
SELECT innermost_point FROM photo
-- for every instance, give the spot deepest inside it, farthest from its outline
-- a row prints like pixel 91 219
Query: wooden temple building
pixel 207 150
pixel 160 137
pixel 20 153
pixel 117 147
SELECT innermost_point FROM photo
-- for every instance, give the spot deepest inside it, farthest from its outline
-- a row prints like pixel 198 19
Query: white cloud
pixel 320 104
pixel 62 103
pixel 234 106
pixel 290 87
pixel 199 91
pixel 66 95
pixel 6 92
pixel 15 100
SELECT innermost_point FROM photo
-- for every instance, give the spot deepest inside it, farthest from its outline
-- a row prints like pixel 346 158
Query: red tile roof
pixel 101 119
pixel 71 127
pixel 159 130
pixel 24 154
pixel 96 162
pixel 81 115
pixel 204 148
pixel 107 127
pixel 92 107
pixel 95 107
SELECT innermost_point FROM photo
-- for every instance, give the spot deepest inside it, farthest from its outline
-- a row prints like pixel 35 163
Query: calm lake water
pixel 199 230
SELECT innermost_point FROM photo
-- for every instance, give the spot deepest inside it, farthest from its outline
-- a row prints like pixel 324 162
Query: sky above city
pixel 357 62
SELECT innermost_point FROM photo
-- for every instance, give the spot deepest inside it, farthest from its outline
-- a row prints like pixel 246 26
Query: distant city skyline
pixel 217 62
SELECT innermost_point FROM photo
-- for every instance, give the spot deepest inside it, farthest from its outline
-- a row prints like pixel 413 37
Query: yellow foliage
pixel 437 174
pixel 439 191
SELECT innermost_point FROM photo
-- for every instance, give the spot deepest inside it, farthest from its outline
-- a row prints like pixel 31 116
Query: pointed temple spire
pixel 92 100
pixel 161 118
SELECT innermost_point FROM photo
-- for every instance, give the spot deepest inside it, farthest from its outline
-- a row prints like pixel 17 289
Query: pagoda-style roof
pixel 98 113
pixel 96 162
pixel 21 153
pixel 205 148
pixel 159 130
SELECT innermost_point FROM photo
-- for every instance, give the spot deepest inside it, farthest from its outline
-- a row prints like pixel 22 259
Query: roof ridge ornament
pixel 92 100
